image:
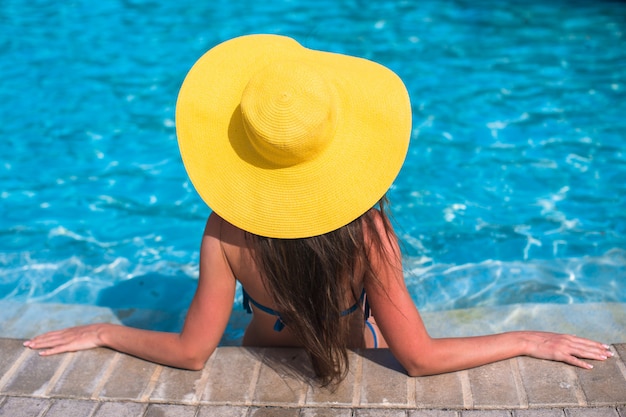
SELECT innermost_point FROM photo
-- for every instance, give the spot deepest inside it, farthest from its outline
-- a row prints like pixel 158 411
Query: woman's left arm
pixel 403 329
pixel 205 323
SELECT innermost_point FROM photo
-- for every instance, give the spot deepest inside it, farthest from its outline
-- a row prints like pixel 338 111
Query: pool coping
pixel 239 381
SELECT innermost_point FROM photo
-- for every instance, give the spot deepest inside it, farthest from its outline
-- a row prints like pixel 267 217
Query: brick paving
pixel 260 382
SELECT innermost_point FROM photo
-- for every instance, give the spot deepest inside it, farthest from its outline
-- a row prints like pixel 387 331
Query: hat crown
pixel 289 113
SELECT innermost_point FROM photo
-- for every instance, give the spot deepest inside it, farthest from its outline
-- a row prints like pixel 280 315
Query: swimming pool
pixel 514 190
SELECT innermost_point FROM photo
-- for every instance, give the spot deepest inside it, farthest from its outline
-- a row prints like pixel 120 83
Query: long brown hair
pixel 309 279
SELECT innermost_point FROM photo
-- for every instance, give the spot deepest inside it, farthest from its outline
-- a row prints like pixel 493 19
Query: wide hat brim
pixel 344 181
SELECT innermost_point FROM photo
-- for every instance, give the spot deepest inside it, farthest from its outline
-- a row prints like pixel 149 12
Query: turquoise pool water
pixel 514 190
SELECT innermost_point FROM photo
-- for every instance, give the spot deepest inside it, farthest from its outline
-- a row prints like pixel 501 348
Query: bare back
pixel 260 331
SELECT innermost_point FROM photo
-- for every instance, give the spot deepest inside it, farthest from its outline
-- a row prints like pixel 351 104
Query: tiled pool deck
pixel 273 382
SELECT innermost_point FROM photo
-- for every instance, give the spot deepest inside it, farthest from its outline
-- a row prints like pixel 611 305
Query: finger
pixel 56 350
pixel 43 342
pixel 572 360
pixel 40 338
pixel 590 343
pixel 591 346
pixel 591 351
pixel 599 355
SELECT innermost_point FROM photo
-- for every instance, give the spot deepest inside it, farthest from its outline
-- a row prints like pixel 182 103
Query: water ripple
pixel 514 187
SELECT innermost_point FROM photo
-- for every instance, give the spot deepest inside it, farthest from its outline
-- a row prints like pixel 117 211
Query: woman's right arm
pixel 205 322
pixel 407 337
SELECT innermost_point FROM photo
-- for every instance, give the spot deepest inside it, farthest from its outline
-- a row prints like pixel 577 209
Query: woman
pixel 292 148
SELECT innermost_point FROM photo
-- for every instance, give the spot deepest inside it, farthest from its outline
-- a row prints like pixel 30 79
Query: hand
pixel 566 348
pixel 67 340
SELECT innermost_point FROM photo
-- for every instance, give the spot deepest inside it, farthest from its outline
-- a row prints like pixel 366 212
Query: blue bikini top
pixel 280 325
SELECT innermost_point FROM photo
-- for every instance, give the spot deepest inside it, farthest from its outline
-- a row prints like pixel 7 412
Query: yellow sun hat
pixel 288 142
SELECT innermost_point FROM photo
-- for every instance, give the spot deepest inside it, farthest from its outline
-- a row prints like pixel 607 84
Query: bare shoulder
pixel 222 230
pixel 374 223
pixel 229 242
pixel 213 225
pixel 228 234
pixel 378 231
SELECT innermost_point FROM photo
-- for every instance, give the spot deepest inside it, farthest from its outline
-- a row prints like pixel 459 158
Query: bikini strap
pixel 355 305
pixel 247 300
pixel 367 311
